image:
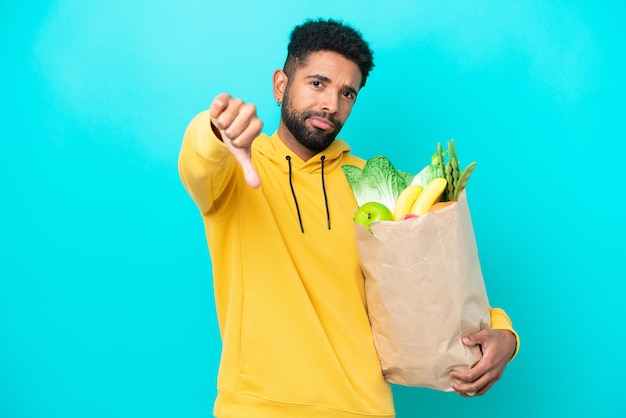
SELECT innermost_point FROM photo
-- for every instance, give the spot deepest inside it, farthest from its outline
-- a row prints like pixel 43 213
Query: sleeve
pixel 500 320
pixel 206 168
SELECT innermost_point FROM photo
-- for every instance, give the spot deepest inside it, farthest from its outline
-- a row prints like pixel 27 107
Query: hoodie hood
pixel 321 164
pixel 273 148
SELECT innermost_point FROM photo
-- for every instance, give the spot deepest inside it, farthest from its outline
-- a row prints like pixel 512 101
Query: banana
pixel 432 192
pixel 405 200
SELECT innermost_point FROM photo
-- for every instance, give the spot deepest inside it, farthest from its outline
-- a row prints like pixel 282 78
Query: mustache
pixel 324 115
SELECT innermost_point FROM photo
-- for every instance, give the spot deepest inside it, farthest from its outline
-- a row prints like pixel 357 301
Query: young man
pixel 278 214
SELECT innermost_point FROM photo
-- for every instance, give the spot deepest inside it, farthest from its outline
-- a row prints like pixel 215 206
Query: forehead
pixel 332 65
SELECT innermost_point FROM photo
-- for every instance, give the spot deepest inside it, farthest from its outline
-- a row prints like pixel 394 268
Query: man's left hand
pixel 497 347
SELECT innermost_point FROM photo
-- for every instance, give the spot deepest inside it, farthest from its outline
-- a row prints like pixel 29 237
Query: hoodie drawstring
pixel 293 192
pixel 324 190
pixel 295 200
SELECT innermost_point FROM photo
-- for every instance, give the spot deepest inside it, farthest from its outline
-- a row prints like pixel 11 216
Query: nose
pixel 329 103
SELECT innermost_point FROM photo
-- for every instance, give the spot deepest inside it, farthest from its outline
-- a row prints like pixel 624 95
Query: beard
pixel 314 139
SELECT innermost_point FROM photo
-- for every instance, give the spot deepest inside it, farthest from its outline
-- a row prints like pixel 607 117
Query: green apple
pixel 371 212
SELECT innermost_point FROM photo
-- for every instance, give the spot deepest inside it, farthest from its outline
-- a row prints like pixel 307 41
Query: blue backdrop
pixel 106 303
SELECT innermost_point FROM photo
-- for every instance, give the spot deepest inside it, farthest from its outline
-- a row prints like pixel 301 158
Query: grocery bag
pixel 425 292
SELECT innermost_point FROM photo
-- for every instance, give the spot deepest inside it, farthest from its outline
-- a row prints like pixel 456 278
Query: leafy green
pixel 378 181
pixel 451 171
pixel 431 171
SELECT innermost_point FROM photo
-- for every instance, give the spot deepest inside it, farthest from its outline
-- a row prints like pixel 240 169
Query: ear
pixel 280 85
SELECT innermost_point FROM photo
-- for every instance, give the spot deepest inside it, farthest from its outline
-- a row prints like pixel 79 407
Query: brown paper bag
pixel 425 291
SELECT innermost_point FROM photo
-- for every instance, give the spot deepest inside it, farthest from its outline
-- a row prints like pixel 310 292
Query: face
pixel 317 100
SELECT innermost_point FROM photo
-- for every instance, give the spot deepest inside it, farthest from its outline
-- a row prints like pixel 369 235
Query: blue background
pixel 105 291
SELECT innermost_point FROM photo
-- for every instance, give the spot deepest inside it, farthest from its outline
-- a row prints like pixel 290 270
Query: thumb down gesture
pixel 237 126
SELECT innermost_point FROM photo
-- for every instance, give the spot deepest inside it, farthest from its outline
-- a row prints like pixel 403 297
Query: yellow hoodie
pixel 289 293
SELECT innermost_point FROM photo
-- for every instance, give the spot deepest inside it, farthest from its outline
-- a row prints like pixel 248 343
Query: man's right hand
pixel 237 126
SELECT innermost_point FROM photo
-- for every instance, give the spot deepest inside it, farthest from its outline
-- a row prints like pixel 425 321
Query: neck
pixel 293 144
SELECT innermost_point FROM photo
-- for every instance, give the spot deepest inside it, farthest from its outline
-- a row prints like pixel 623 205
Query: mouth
pixel 322 123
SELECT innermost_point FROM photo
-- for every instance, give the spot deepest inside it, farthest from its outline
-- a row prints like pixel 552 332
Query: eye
pixel 316 83
pixel 348 95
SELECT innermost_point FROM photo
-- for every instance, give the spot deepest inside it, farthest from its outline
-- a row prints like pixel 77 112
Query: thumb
pixel 473 339
pixel 244 158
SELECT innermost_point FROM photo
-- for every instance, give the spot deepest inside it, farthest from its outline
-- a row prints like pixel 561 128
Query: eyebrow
pixel 327 80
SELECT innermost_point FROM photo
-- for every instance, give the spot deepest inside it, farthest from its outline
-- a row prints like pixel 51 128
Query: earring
pixel 278 103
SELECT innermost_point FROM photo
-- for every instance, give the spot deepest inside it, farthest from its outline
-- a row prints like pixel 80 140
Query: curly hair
pixel 328 35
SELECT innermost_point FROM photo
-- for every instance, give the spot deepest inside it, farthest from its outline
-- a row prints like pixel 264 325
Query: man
pixel 278 213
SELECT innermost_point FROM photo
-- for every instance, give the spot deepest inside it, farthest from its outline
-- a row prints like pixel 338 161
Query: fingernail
pixel 466 340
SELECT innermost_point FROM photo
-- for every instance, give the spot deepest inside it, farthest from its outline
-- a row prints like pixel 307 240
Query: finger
pixel 467 395
pixel 485 388
pixel 245 127
pixel 475 388
pixel 476 338
pixel 474 372
pixel 481 367
pixel 218 105
pixel 464 377
pixel 478 381
pixel 244 158
pixel 479 392
pixel 229 114
pixel 249 134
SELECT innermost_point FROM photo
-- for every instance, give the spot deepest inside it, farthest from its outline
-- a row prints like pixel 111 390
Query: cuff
pixel 206 144
pixel 500 320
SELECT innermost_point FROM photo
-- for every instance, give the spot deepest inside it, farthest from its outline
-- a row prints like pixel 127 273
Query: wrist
pixel 511 338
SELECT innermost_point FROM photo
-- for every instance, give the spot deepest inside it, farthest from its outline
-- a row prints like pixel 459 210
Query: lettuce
pixel 430 172
pixel 378 181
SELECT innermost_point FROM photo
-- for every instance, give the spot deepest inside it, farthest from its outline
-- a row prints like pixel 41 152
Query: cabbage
pixel 378 181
